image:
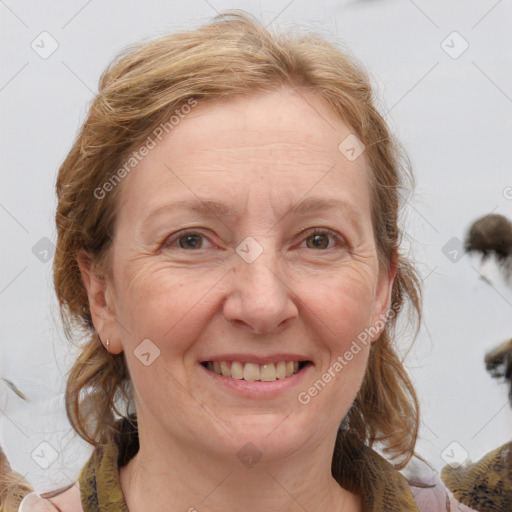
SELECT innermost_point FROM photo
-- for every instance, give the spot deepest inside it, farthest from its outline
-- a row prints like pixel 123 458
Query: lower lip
pixel 258 388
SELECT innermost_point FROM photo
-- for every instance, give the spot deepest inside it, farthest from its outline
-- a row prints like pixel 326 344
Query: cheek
pixel 173 314
pixel 342 307
pixel 338 315
pixel 164 305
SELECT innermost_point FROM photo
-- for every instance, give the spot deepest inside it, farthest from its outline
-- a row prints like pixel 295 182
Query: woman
pixel 228 243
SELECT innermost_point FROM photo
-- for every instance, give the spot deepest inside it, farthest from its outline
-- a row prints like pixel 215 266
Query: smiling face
pixel 243 266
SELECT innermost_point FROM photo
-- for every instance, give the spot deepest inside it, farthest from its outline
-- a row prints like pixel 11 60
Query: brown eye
pixel 190 241
pixel 318 241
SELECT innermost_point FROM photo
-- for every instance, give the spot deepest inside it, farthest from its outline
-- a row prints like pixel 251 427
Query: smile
pixel 268 372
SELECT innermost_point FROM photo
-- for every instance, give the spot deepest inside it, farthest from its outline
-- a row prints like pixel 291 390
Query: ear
pixel 101 303
pixel 383 297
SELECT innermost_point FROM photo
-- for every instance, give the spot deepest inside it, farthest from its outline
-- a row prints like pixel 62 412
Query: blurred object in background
pixel 15 389
pixel 13 487
pixel 491 235
pixel 36 437
pixel 486 485
pixel 499 364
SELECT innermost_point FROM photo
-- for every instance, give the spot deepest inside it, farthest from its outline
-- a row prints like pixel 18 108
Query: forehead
pixel 284 142
pixel 265 124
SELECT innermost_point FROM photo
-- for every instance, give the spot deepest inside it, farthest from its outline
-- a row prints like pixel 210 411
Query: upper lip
pixel 256 359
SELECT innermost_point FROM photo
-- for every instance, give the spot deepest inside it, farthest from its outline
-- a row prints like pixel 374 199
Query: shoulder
pixel 65 500
pixel 428 491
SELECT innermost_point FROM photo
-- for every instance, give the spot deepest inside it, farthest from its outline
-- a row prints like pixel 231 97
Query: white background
pixel 454 116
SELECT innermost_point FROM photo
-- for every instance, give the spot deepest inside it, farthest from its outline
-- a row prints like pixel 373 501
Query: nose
pixel 260 299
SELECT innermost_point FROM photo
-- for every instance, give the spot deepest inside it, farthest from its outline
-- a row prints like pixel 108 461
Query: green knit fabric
pixel 382 488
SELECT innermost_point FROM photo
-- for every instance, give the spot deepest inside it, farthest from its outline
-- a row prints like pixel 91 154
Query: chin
pixel 266 437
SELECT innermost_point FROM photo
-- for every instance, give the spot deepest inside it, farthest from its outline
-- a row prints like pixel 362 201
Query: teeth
pixel 237 370
pixel 225 369
pixel 251 371
pixel 268 372
pixel 281 370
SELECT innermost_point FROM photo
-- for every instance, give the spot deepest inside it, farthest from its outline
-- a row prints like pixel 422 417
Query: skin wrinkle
pixel 206 301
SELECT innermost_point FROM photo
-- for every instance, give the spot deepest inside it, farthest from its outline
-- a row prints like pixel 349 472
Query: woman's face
pixel 244 246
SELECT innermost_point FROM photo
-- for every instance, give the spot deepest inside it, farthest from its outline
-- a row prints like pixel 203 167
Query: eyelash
pixel 315 231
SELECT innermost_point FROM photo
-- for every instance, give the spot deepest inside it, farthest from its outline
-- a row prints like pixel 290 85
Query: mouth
pixel 268 372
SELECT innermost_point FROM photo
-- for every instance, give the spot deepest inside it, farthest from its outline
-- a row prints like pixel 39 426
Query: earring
pixel 343 427
pixel 108 345
pixel 345 424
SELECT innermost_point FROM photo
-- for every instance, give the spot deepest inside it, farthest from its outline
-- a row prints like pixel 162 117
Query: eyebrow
pixel 205 207
pixel 218 209
pixel 313 205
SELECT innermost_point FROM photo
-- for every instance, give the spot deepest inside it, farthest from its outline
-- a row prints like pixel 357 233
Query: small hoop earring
pixel 344 425
pixel 108 345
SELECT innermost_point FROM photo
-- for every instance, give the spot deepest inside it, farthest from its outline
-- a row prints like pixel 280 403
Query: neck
pixel 174 476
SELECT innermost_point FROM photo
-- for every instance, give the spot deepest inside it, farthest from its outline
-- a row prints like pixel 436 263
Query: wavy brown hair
pixel 232 55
